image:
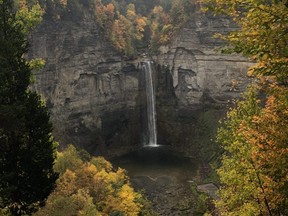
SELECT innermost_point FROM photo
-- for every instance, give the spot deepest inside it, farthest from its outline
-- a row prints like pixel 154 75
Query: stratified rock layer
pixel 92 94
pixel 196 83
pixel 96 98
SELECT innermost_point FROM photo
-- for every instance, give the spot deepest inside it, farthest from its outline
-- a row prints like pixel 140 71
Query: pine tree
pixel 27 148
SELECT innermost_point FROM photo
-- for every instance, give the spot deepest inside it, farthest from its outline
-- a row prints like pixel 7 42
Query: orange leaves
pixel 258 135
pixel 125 26
pixel 257 146
pixel 91 188
pixel 105 15
pixel 123 30
pixel 141 22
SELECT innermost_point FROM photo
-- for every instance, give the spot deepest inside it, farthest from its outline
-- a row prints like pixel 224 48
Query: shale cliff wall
pixel 196 83
pixel 96 97
pixel 92 94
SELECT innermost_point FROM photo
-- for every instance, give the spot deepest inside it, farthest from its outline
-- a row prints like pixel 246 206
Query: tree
pixel 27 149
pixel 92 187
pixel 255 133
pixel 237 172
pixel 28 17
pixel 105 17
pixel 268 135
pixel 262 35
pixel 254 168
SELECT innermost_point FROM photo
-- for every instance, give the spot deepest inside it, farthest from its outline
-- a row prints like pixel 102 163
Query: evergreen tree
pixel 27 149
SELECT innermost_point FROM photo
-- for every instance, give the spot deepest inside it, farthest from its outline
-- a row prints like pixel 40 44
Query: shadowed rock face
pixel 196 83
pixel 96 98
pixel 92 94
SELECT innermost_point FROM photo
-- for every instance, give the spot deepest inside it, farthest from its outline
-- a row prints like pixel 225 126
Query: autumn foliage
pixel 255 166
pixel 255 133
pixel 123 30
pixel 129 29
pixel 90 186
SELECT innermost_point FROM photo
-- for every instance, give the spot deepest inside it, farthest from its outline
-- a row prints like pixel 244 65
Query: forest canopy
pixel 90 186
pixel 130 25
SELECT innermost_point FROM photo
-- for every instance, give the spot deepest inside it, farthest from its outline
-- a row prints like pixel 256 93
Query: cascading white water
pixel 151 111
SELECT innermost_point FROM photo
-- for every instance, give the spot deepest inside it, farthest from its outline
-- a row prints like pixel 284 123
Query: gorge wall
pixel 92 94
pixel 196 83
pixel 96 97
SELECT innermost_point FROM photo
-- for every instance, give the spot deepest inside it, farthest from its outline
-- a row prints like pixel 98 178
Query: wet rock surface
pixel 169 196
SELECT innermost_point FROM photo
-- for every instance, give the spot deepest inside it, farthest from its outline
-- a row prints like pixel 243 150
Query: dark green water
pixel 155 162
pixel 165 177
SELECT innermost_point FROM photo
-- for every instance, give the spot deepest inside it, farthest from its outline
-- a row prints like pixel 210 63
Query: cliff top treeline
pixel 130 25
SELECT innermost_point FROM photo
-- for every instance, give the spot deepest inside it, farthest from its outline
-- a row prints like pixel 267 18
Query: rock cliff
pixel 92 94
pixel 196 83
pixel 96 98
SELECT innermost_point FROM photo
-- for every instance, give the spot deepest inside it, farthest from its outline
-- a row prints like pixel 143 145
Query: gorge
pixel 96 96
pixel 102 101
pixel 136 107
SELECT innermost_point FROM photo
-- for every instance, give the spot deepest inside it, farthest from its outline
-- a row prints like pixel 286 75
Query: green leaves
pixel 90 188
pixel 262 35
pixel 256 137
pixel 29 18
pixel 27 148
pixel 254 166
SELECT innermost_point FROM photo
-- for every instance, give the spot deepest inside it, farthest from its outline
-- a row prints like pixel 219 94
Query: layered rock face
pixel 92 94
pixel 197 81
pixel 96 98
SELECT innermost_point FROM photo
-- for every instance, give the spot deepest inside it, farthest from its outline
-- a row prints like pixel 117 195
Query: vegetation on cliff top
pixel 130 28
pixel 129 25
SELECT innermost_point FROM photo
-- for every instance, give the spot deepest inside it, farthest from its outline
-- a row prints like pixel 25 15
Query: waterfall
pixel 151 111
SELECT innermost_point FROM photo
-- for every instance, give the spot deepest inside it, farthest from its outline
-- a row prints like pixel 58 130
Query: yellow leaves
pixel 140 23
pixel 29 17
pixel 257 155
pixel 69 159
pixel 37 64
pixel 128 197
pixel 101 163
pixel 105 15
pixel 157 10
pixel 66 184
pixel 124 201
pixel 90 168
pixel 91 188
pixel 131 14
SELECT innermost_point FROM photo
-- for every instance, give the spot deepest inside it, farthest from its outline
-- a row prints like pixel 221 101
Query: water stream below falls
pixel 165 176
